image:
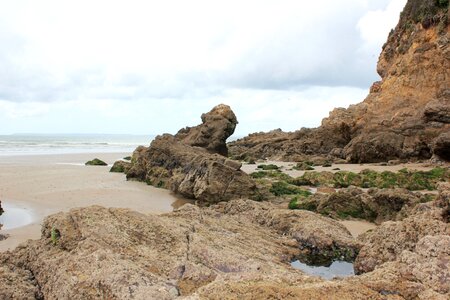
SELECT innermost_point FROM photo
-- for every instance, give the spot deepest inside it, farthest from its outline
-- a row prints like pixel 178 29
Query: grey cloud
pixel 325 54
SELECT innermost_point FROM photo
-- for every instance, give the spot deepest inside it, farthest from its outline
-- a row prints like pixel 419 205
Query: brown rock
pixel 188 163
pixel 120 254
pixel 191 171
pixel 438 110
pixel 441 146
pixel 401 116
pixel 378 205
pixel 235 250
pixel 217 126
pixel 17 283
pixel 389 240
pixel 121 166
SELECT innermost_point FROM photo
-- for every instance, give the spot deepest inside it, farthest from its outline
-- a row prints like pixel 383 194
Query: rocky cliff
pixel 406 115
pixel 192 162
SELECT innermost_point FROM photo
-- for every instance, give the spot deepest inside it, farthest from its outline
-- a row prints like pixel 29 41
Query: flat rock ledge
pixel 239 249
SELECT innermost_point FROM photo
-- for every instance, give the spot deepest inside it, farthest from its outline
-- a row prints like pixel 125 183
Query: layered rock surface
pixel 375 205
pixel 404 113
pixel 235 250
pixel 120 254
pixel 192 163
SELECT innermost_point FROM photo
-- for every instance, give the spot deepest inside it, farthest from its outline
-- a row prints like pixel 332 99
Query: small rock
pixel 96 162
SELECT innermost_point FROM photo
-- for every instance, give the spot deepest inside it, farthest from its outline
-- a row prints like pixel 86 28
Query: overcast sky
pixel 146 67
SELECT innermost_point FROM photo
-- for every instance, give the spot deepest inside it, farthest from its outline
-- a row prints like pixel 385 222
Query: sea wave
pixel 48 144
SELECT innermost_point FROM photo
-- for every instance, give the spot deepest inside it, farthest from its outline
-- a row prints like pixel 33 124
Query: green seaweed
pixel 55 235
pixel 280 188
pixel 268 167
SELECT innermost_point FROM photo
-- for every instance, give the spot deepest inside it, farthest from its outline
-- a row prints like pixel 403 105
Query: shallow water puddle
pixel 14 216
pixel 336 269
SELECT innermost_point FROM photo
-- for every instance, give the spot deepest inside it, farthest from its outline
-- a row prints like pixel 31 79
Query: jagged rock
pixel 192 163
pixel 376 147
pixel 377 205
pixel 400 117
pixel 17 283
pixel 315 234
pixel 96 162
pixel 117 253
pixel 120 166
pixel 1 209
pixel 389 240
pixel 236 250
pixel 441 146
pixel 438 110
pixel 421 273
pixel 217 126
pixel 190 171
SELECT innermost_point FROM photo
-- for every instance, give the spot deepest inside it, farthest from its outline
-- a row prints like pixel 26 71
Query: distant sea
pixel 29 144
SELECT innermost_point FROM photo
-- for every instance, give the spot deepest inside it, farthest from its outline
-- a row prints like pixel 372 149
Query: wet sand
pixel 357 227
pixel 47 184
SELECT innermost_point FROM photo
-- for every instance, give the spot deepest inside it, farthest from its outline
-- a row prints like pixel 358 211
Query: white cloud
pixel 115 56
pixel 374 25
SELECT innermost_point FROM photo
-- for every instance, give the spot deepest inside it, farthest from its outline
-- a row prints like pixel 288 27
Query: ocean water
pixel 32 144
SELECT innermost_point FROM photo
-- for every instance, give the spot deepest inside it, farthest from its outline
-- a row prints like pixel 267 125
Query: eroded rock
pixel 117 253
pixel 403 112
pixel 185 163
pixel 389 240
pixel 121 166
pixel 217 126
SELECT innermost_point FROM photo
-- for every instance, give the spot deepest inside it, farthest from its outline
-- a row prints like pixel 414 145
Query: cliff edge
pixel 406 115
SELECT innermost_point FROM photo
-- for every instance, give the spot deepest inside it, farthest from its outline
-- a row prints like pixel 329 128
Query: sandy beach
pixel 39 185
pixel 46 184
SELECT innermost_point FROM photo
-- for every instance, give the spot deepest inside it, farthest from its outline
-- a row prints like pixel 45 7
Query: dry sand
pixel 357 227
pixel 47 184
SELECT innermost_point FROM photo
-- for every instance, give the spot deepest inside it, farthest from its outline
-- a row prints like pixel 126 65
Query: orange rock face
pixel 404 113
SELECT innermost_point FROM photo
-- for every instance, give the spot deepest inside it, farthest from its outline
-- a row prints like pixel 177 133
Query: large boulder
pixel 217 126
pixel 181 163
pixel 441 146
pixel 120 166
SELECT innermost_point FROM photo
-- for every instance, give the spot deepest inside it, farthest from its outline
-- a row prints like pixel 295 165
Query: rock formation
pixel 192 164
pixel 391 239
pixel 377 205
pixel 1 209
pixel 217 126
pixel 120 166
pixel 405 114
pixel 96 162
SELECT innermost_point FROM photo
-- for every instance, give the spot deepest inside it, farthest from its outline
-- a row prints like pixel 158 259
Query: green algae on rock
pixel 120 166
pixel 96 162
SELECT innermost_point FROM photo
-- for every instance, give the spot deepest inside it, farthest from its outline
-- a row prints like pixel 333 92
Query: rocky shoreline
pixel 240 238
pixel 237 249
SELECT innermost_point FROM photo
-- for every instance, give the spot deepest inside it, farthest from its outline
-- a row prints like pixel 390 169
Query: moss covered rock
pixel 96 162
pixel 120 166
